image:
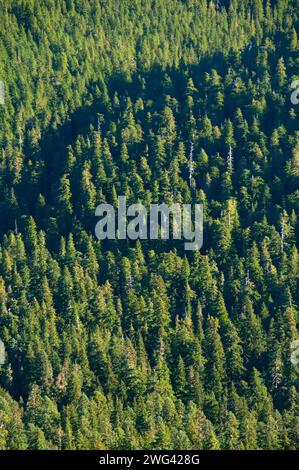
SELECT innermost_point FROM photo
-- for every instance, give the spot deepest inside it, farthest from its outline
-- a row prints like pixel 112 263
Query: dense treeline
pixel 118 345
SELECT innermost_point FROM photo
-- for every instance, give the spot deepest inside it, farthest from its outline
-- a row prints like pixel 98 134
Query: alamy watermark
pixel 2 353
pixel 295 352
pixel 163 219
pixel 2 92
pixel 295 93
pixel 295 344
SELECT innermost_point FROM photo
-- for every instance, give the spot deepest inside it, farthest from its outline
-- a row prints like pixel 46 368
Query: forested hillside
pixel 142 345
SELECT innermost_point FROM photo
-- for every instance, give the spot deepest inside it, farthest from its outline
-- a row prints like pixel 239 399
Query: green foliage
pixel 120 345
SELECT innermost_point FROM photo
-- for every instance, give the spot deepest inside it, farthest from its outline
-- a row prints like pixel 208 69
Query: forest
pixel 121 344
